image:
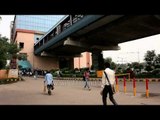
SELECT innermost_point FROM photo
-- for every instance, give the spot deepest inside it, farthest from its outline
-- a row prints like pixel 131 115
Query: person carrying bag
pixel 108 80
pixel 111 86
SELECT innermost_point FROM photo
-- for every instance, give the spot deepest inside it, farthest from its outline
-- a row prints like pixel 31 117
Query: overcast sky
pixel 5 25
pixel 134 51
pixel 130 51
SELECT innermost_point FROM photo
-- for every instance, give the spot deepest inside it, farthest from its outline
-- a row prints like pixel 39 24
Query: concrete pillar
pixel 97 60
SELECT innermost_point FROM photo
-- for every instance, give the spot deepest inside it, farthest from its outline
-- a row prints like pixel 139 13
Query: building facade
pixel 26 30
pixel 85 61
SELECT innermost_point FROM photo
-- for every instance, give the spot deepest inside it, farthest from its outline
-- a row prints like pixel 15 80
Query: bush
pixel 147 75
pixel 156 72
pixel 9 80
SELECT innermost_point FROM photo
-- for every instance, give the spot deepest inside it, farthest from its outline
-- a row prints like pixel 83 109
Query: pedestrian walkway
pixel 66 92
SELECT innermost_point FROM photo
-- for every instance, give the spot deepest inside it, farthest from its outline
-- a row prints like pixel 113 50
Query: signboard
pixel 13 73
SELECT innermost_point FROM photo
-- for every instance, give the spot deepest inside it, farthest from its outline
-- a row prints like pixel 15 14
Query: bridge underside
pixel 106 34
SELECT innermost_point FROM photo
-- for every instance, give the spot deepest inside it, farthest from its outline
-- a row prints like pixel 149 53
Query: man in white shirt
pixel 49 82
pixel 106 88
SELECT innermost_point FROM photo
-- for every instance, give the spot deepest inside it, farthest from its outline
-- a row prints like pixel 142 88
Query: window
pixel 21 45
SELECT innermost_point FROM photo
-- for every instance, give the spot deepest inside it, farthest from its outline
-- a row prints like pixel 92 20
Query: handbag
pixel 112 86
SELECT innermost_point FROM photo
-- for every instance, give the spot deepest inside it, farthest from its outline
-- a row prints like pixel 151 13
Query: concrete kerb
pixel 142 80
pixel 120 80
pixel 99 79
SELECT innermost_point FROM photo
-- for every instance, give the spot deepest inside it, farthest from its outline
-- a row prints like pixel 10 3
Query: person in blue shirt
pixel 49 82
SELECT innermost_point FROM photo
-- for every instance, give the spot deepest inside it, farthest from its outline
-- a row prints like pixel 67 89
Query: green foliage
pixel 148 68
pixel 157 61
pixel 93 75
pixel 7 51
pixel 148 75
pixel 3 51
pixel 12 49
pixel 10 80
pixel 67 75
pixel 64 70
pixel 156 71
pixel 152 60
pixel 22 57
pixel 3 62
pixel 113 65
pixel 149 57
pixel 135 65
pixel 54 74
pixel 109 60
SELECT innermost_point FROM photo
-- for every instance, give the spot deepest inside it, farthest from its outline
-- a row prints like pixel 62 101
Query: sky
pixel 5 25
pixel 133 51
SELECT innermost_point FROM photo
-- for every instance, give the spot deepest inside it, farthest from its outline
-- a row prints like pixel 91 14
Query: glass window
pixel 37 22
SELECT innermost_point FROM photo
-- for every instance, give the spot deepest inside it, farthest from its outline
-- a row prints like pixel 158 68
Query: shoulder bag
pixel 112 86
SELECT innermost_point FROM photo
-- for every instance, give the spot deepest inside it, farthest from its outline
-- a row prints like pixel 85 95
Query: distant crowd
pixel 29 72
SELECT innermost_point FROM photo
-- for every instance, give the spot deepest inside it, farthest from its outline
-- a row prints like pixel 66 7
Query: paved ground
pixel 69 92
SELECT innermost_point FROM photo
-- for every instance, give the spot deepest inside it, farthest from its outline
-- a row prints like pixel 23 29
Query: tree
pixel 141 66
pixel 109 60
pixel 135 65
pixel 7 51
pixel 157 61
pixel 150 60
pixel 3 52
pixel 150 57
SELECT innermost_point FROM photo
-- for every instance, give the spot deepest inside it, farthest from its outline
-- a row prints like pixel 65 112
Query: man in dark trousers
pixel 106 86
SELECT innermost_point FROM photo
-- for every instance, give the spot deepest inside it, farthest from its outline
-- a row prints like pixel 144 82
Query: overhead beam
pixel 110 47
pixel 71 42
pixel 88 19
pixel 44 53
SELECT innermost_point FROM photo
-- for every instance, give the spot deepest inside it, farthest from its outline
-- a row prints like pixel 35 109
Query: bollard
pixel 134 87
pixel 124 84
pixel 44 88
pixel 147 91
pixel 117 88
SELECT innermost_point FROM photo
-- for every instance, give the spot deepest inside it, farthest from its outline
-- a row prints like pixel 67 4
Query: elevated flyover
pixel 75 34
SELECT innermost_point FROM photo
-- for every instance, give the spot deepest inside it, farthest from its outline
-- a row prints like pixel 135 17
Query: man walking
pixel 86 78
pixel 108 80
pixel 49 82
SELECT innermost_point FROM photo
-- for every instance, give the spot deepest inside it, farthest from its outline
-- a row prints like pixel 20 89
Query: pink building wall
pixel 40 62
pixel 45 63
pixel 27 39
pixel 84 61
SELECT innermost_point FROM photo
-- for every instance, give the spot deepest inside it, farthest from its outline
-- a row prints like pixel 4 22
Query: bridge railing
pixel 64 24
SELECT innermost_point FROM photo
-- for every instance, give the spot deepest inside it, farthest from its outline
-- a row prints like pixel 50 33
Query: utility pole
pixel 138 57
